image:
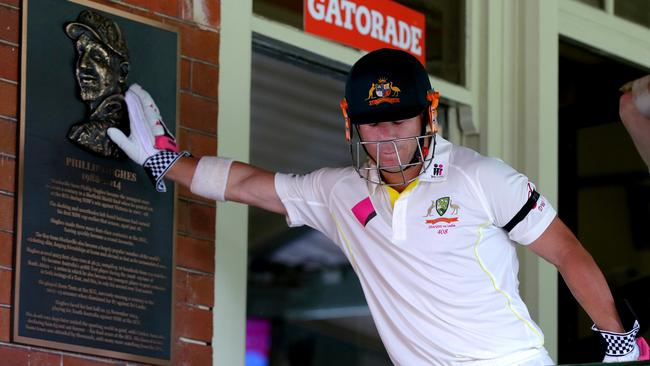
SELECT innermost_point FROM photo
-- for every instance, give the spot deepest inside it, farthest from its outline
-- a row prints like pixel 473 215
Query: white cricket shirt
pixel 438 272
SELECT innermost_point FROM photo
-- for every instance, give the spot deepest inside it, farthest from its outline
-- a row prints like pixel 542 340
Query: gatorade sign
pixel 367 24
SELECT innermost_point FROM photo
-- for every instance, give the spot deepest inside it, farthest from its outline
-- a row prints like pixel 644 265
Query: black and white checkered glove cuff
pixel 619 344
pixel 156 166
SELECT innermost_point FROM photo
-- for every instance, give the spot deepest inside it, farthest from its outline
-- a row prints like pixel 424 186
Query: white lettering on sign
pixel 367 18
pixel 363 26
pixel 316 9
pixel 334 10
pixel 349 8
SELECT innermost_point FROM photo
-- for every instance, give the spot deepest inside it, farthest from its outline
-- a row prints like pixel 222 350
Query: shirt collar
pixel 438 169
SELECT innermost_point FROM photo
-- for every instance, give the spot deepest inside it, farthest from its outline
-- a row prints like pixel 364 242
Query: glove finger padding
pixel 120 139
pixel 150 110
pixel 141 134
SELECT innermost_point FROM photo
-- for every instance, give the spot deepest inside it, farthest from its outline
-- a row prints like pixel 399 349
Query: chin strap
pixel 434 98
pixel 348 130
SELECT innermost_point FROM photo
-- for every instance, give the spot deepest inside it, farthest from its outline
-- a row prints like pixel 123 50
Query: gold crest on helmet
pixel 383 91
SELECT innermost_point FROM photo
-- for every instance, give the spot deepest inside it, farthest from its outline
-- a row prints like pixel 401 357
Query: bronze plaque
pixel 95 241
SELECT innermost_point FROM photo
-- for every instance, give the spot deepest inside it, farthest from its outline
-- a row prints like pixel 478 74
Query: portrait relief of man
pixel 102 66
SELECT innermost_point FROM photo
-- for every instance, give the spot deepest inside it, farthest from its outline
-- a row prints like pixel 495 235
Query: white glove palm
pixel 150 144
pixel 148 133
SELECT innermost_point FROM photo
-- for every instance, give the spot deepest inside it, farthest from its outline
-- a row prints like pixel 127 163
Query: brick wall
pixel 198 22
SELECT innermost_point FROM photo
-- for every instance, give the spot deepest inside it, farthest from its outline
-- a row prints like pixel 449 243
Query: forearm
pixel 183 171
pixel 590 289
pixel 560 247
pixel 245 183
pixel 253 186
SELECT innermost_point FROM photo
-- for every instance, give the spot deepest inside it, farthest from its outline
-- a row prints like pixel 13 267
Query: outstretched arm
pixel 559 246
pixel 245 184
pixel 151 145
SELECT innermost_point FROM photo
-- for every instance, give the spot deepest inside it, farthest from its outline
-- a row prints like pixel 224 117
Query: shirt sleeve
pixel 506 191
pixel 306 198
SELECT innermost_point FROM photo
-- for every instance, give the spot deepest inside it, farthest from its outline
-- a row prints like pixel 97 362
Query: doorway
pixel 604 191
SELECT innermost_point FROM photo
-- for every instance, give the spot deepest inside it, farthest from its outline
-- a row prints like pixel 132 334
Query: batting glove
pixel 621 347
pixel 150 143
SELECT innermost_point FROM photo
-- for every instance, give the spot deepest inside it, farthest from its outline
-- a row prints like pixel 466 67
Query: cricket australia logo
pixel 383 91
pixel 441 207
pixel 442 204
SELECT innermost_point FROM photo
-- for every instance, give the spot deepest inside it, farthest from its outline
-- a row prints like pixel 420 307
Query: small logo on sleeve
pixel 540 204
pixel 531 188
pixel 437 170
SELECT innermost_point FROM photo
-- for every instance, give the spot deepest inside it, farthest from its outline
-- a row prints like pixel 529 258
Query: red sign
pixel 367 24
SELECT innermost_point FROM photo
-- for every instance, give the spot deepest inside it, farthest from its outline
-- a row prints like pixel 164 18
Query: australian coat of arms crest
pixel 383 91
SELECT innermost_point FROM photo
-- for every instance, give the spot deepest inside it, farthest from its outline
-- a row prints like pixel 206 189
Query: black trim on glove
pixel 158 165
pixel 619 344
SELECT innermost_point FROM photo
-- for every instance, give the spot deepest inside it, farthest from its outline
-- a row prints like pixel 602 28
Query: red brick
pixel 193 323
pixel 7 174
pixel 193 289
pixel 8 99
pixel 186 9
pixel 15 3
pixel 201 144
pixel 5 287
pixel 198 144
pixel 180 286
pixel 129 8
pixel 188 354
pixel 6 249
pixel 202 220
pixel 195 254
pixel 77 361
pixel 185 193
pixel 204 12
pixel 7 213
pixel 182 215
pixel 198 113
pixel 12 356
pixel 9 56
pixel 168 7
pixel 186 74
pixel 8 137
pixel 5 324
pixel 183 139
pixel 37 358
pixel 200 289
pixel 213 12
pixel 198 43
pixel 146 4
pixel 10 26
pixel 143 13
pixel 205 79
